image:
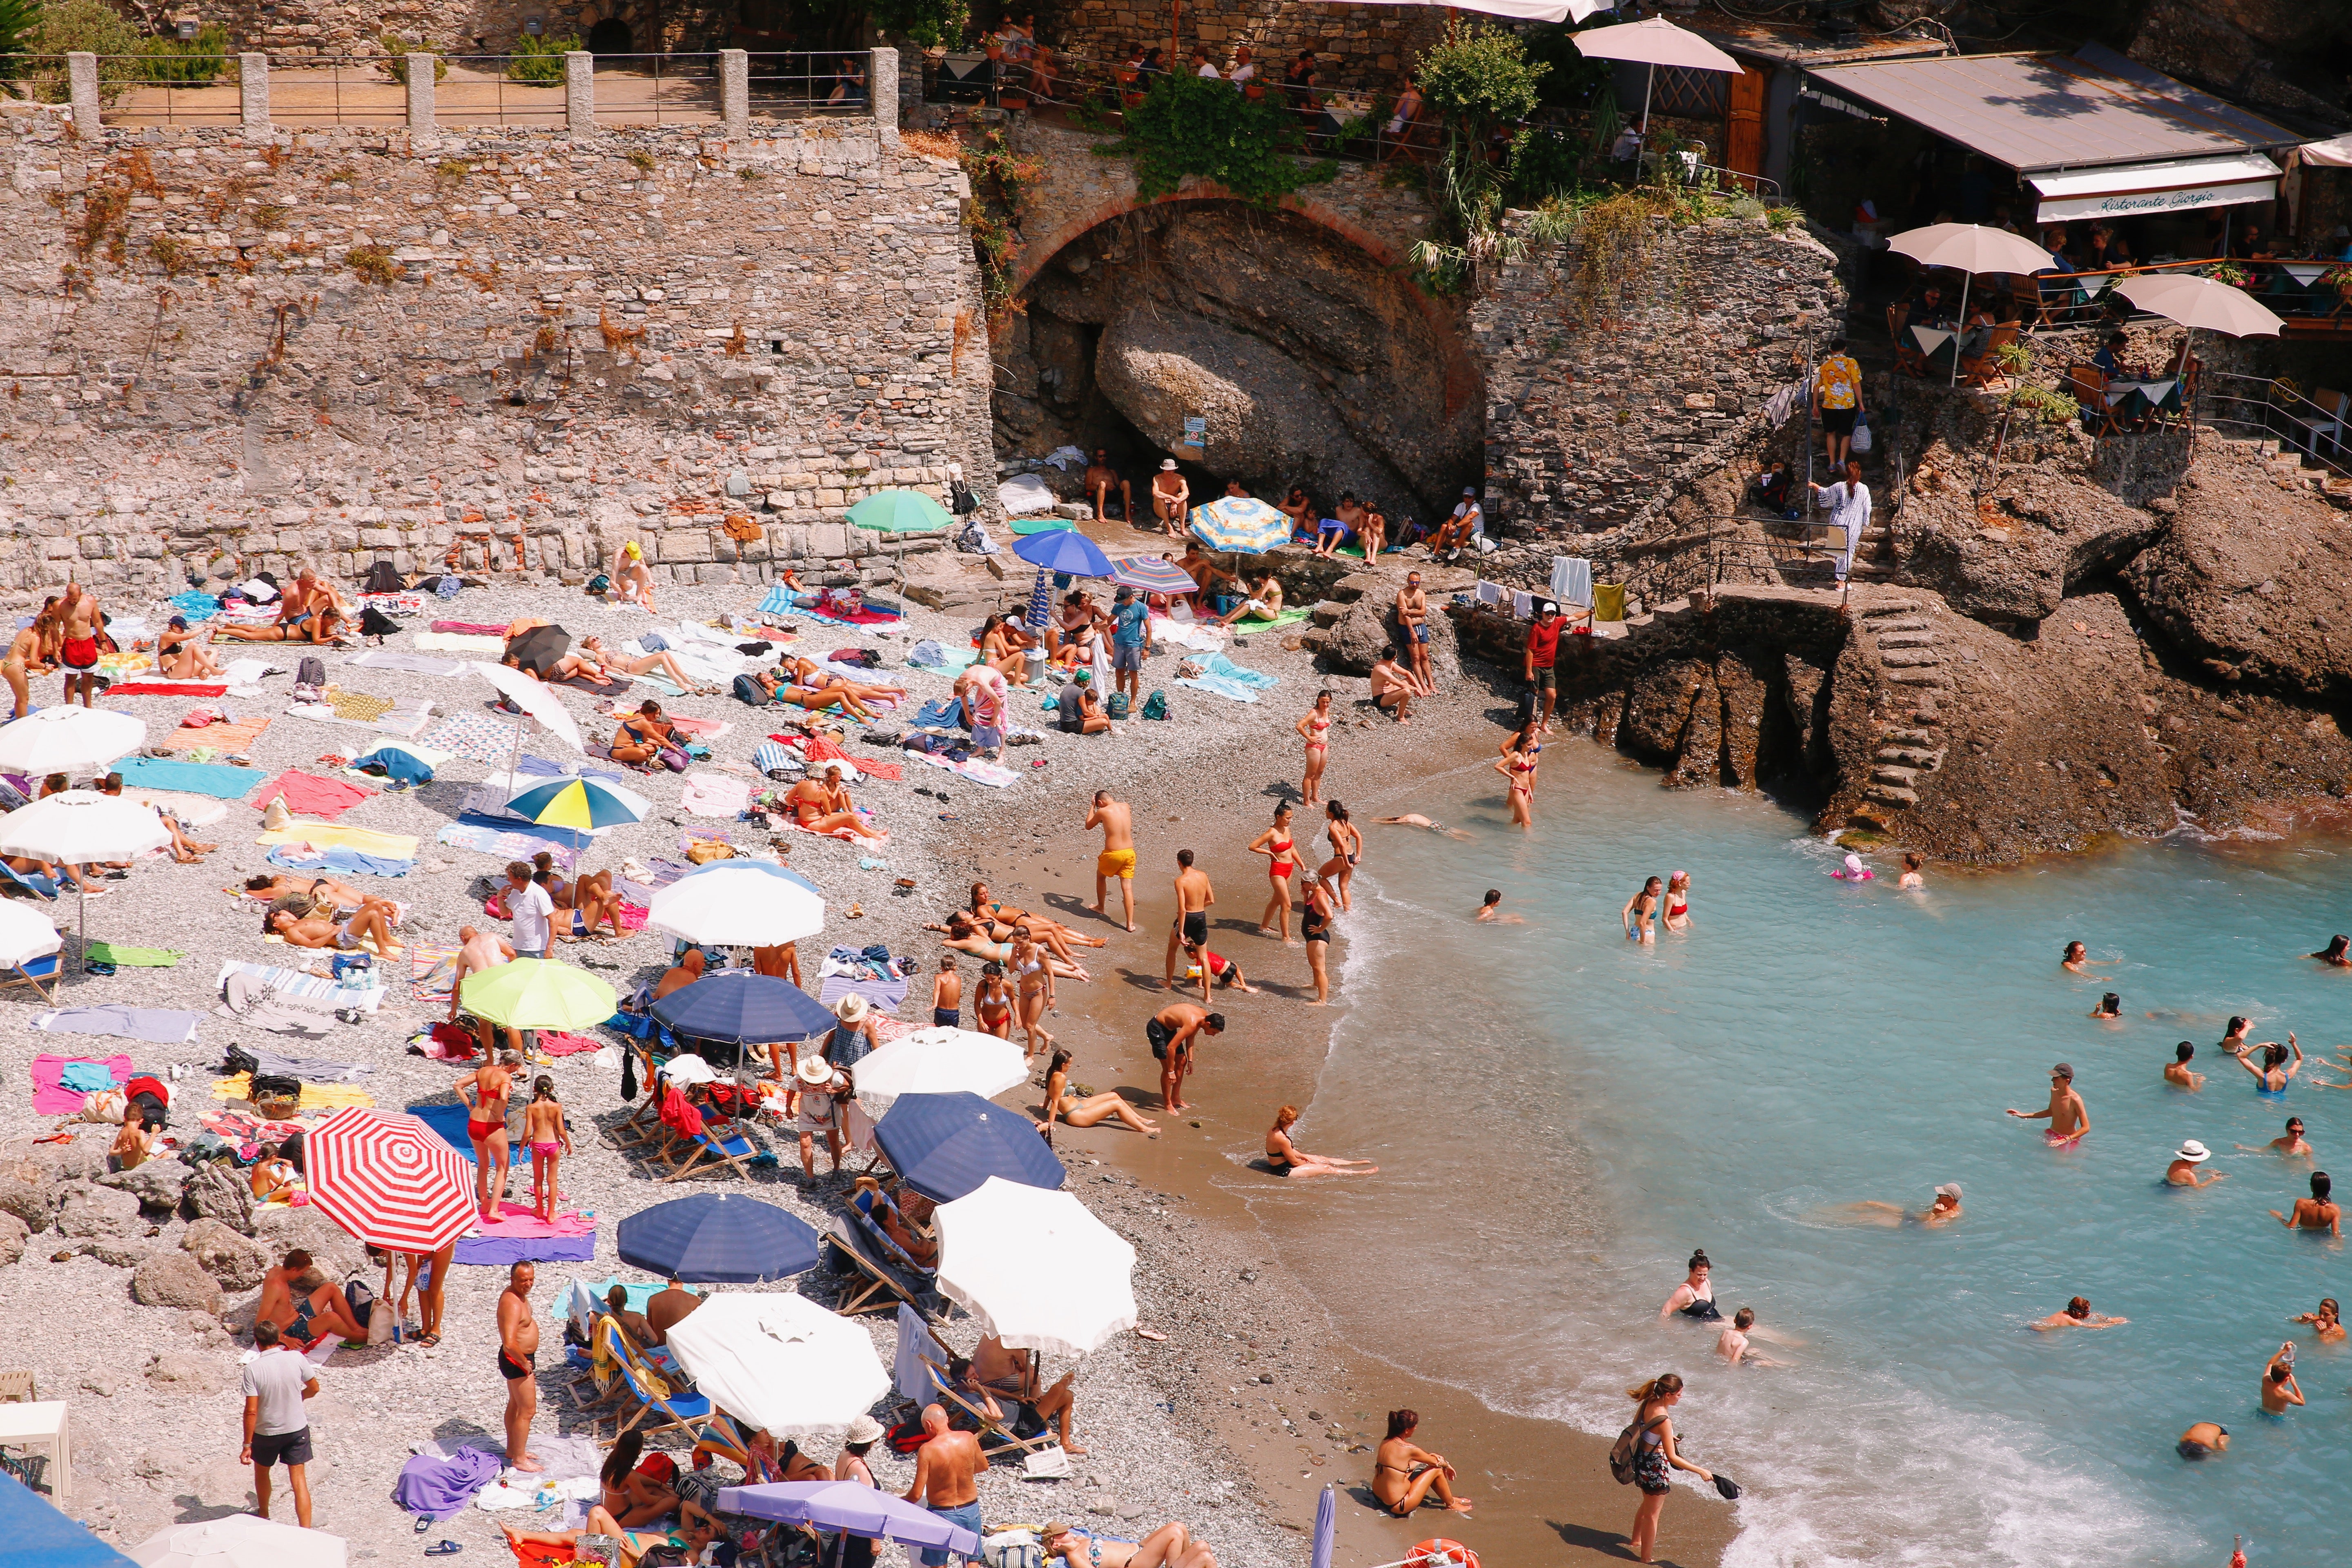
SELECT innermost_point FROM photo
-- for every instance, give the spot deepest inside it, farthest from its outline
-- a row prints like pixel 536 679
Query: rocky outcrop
pixel 175 1279
pixel 158 1184
pixel 237 1261
pixel 13 1234
pixel 91 1213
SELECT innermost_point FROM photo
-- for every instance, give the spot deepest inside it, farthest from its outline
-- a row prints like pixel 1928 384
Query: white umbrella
pixel 995 1245
pixel 27 934
pixel 938 1061
pixel 778 1362
pixel 78 828
pixel 531 695
pixel 67 740
pixel 688 1068
pixel 239 1541
pixel 2193 302
pixel 738 903
pixel 1518 10
pixel 1972 248
pixel 1653 43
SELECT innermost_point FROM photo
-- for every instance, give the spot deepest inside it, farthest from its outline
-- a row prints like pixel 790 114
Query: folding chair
pixel 33 973
pixel 687 1412
pixel 1978 369
pixel 882 1285
pixel 642 1124
pixel 42 888
pixel 707 1153
pixel 607 1350
pixel 2088 382
pixel 994 1435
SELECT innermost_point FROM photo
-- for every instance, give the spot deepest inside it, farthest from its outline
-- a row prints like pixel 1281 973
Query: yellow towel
pixel 327 836
pixel 315 1096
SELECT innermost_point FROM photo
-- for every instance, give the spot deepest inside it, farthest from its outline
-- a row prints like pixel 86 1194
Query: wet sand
pixel 1258 1357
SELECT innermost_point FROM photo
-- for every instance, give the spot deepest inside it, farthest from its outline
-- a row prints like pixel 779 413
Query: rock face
pixel 175 1279
pixel 337 1255
pixel 237 1261
pixel 13 1232
pixel 1370 624
pixel 90 1213
pixel 217 1191
pixel 158 1184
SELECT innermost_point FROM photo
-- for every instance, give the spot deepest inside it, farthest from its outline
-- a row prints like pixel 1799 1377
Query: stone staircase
pixel 2288 465
pixel 1906 644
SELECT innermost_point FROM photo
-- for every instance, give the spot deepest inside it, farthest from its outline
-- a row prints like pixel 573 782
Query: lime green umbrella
pixel 538 993
pixel 900 512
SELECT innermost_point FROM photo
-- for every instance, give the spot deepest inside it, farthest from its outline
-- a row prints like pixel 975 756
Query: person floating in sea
pixel 2337 952
pixel 1912 882
pixel 1732 1343
pixel 2202 1439
pixel 2182 1172
pixel 2293 1144
pixel 2278 1389
pixel 2076 960
pixel 2069 1119
pixel 1491 910
pixel 1414 819
pixel 2176 1071
pixel 1694 1296
pixel 2277 1072
pixel 1287 1159
pixel 2075 1314
pixel 1405 1476
pixel 2318 1212
pixel 2328 1319
pixel 1943 1211
pixel 1640 910
pixel 2111 1005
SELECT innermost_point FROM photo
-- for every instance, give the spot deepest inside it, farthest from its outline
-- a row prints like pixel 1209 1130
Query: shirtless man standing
pixel 477 950
pixel 947 1472
pixel 1412 625
pixel 1118 857
pixel 2068 1118
pixel 1103 480
pixel 1171 499
pixel 77 613
pixel 1193 897
pixel 485 1125
pixel 518 1351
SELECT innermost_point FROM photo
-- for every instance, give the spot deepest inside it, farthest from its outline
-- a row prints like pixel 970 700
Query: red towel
pixel 556 1043
pixel 306 795
pixel 164 689
pixel 821 750
pixel 678 1114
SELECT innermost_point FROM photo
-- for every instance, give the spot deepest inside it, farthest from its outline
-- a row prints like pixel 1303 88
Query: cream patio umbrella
pixel 1972 248
pixel 82 827
pixel 1653 43
pixel 2200 303
pixel 995 1243
pixel 778 1362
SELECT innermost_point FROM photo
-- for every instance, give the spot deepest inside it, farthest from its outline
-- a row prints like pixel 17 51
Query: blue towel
pixel 939 714
pixel 450 1121
pixel 1218 685
pixel 506 1251
pixel 400 767
pixel 195 607
pixel 1219 665
pixel 779 602
pixel 86 1077
pixel 189 778
pixel 560 837
pixel 338 861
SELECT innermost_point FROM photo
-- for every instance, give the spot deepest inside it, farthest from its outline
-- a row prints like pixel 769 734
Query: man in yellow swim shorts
pixel 1118 857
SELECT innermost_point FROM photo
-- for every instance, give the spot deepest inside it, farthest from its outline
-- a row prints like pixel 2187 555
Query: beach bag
pixel 344 964
pixel 382 1323
pixel 748 691
pixel 1117 705
pixel 310 671
pixel 703 851
pixel 1012 1549
pixel 275 1086
pixel 1156 705
pixel 382 577
pixel 599 585
pixel 672 758
pixel 960 501
pixel 1624 1455
pixel 1863 439
pixel 374 623
pixel 359 1299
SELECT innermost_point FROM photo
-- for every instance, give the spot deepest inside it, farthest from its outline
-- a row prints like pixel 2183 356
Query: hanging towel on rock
pixel 1571 581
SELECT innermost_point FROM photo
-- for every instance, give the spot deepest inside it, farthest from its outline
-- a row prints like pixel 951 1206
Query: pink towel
pixel 469 629
pixel 556 1043
pixel 709 795
pixel 52 1098
pixel 517 1221
pixel 309 795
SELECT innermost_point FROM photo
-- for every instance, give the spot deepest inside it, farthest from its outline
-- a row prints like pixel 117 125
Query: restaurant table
pixel 40 1426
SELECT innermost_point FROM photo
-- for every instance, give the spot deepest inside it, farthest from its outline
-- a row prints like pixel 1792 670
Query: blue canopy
pixel 738 1005
pixel 36 1532
pixel 1063 549
pixel 717 1238
pixel 946 1145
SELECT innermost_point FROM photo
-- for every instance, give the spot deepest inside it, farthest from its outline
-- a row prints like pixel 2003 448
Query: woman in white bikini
pixel 1032 968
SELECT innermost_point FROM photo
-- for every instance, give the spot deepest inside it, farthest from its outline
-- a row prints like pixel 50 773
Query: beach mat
pixel 189 778
pixel 450 1121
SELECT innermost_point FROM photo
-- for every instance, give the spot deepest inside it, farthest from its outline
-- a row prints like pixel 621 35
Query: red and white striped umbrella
pixel 390 1180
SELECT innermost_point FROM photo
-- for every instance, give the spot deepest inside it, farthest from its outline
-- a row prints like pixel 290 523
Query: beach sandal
pixel 443 1548
pixel 429 1341
pixel 424 1522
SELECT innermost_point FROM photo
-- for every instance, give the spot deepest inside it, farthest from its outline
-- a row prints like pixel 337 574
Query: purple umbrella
pixel 1327 1525
pixel 847 1506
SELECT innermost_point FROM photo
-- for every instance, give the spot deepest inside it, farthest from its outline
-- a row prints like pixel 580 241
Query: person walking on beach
pixel 1650 1442
pixel 946 996
pixel 1280 849
pixel 947 1472
pixel 2069 1119
pixel 1170 1033
pixel 1640 910
pixel 2318 1212
pixel 485 1125
pixel 1193 897
pixel 1117 821
pixel 276 1428
pixel 518 1359
pixel 548 1137
pixel 1405 1475
pixel 1694 1296
pixel 1347 849
pixel 1315 728
pixel 1315 914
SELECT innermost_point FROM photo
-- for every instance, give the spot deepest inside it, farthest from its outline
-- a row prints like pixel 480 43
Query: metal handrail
pixel 2266 399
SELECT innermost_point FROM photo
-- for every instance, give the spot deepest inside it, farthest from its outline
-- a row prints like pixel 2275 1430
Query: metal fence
pixel 143 89
pixel 2310 292
pixel 792 85
pixel 658 90
pixel 2262 408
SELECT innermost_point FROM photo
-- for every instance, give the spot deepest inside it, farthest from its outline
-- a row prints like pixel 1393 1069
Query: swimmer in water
pixel 2327 1321
pixel 1943 1211
pixel 1912 882
pixel 2292 1144
pixel 2069 1119
pixel 2075 1314
pixel 1677 910
pixel 1694 1296
pixel 2110 1006
pixel 1491 912
pixel 1640 910
pixel 1732 1343
pixel 2318 1212
pixel 2176 1071
pixel 2276 1072
pixel 2182 1172
pixel 2076 960
pixel 2337 952
pixel 2202 1440
pixel 2278 1389
pixel 1414 819
pixel 2233 1038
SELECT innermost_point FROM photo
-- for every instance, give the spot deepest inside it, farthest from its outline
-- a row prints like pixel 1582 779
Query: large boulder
pixel 175 1279
pixel 1369 625
pixel 331 1246
pixel 158 1184
pixel 218 1191
pixel 88 1212
pixel 13 1232
pixel 34 1177
pixel 181 1372
pixel 229 1256
pixel 28 1194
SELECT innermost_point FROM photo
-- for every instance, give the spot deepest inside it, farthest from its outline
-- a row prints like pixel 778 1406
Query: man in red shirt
pixel 1536 664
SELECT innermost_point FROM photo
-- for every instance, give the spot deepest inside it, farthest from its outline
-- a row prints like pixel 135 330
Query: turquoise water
pixel 1561 1118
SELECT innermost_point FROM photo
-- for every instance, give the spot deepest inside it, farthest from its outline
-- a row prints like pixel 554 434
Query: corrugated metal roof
pixel 2051 111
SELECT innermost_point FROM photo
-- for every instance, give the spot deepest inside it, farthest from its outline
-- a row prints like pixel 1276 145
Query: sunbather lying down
pixel 320 889
pixel 781 689
pixel 633 1543
pixel 372 923
pixel 1173 1545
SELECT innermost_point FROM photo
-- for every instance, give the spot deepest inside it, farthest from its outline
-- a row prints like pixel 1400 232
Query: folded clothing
pixel 441 1489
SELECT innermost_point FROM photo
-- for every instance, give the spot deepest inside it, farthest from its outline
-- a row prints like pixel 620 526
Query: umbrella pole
pixel 1649 80
pixel 1962 327
pixel 81 920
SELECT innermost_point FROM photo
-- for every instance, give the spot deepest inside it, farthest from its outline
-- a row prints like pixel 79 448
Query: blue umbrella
pixel 1063 549
pixel 36 1532
pixel 738 1005
pixel 717 1238
pixel 946 1145
pixel 847 1506
pixel 1327 1527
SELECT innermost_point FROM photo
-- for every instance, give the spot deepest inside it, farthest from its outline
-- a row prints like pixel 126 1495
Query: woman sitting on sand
pixel 825 807
pixel 1108 1106
pixel 374 922
pixel 1405 1475
pixel 180 656
pixel 1004 648
pixel 642 736
pixel 1289 1160
pixel 590 900
pixel 998 919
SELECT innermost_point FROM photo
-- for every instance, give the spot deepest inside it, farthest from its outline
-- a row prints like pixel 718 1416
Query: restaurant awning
pixel 2125 190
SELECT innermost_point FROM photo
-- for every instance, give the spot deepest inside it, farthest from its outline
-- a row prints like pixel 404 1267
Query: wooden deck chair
pixel 40 974
pixel 607 1348
pixel 42 888
pixel 726 1440
pixel 874 1283
pixel 994 1434
pixel 1978 369
pixel 687 1412
pixel 709 1153
pixel 642 1124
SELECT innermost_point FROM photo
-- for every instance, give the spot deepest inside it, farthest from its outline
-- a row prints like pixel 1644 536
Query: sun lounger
pixel 642 1124
pixel 40 974
pixel 878 1276
pixel 708 1152
pixel 44 887
pixel 996 1437
pixel 659 1409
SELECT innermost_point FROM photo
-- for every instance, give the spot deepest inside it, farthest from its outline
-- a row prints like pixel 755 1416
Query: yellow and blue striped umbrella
pixel 1240 523
pixel 579 802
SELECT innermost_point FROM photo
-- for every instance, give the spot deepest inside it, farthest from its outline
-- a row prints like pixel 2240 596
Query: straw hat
pixel 1167 465
pixel 865 1429
pixel 850 1009
pixel 2194 1152
pixel 814 1071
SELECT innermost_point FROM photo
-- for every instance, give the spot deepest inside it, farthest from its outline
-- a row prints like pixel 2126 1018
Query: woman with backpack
pixel 1644 1457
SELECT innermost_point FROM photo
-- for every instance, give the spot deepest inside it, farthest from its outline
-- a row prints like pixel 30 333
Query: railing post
pixel 580 93
pixel 82 74
pixel 421 71
pixel 735 91
pixel 253 94
pixel 882 91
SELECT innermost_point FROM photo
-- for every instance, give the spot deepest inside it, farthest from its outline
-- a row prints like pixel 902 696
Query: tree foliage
pixel 1479 78
pixel 1189 125
pixel 929 23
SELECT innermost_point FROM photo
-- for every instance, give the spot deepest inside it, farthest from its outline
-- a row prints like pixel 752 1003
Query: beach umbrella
pixel 389 1180
pixel 2194 302
pixel 1063 549
pixel 67 740
pixel 937 1060
pixel 746 903
pixel 946 1145
pixel 718 1238
pixel 1041 599
pixel 1151 574
pixel 239 1541
pixel 1516 10
pixel 1652 43
pixel 27 934
pixel 1241 524
pixel 582 804
pixel 900 512
pixel 535 700
pixel 990 1241
pixel 36 1532
pixel 850 1507
pixel 779 1363
pixel 1327 1529
pixel 1970 249
pixel 536 993
pixel 81 827
pixel 744 1007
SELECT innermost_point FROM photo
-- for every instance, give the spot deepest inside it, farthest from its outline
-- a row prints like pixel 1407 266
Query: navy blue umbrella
pixel 738 1005
pixel 717 1238
pixel 37 1532
pixel 1063 549
pixel 946 1145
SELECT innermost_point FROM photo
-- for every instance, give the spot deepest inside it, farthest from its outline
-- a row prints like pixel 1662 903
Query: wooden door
pixel 1743 124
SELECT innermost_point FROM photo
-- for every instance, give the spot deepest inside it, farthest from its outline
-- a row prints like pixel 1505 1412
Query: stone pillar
pixel 882 86
pixel 421 71
pixel 253 93
pixel 82 74
pixel 580 93
pixel 735 91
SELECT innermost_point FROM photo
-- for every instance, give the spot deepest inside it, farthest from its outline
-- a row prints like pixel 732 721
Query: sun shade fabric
pixel 2180 185
pixel 738 1005
pixel 1516 10
pixel 2201 302
pixel 717 1238
pixel 1240 523
pixel 1063 549
pixel 1656 42
pixel 989 1242
pixel 389 1180
pixel 779 1363
pixel 946 1145
pixel 1970 247
pixel 36 1532
pixel 848 1506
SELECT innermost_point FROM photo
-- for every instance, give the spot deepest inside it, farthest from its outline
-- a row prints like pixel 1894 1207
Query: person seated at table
pixel 2110 357
pixel 1402 118
pixel 825 807
pixel 180 656
pixel 2002 219
pixel 1265 604
pixel 2060 249
pixel 642 736
pixel 374 921
pixel 1976 331
pixel 1014 1373
pixel 1930 310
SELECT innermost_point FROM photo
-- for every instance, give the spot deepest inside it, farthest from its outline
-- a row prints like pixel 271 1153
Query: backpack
pixel 960 501
pixel 1156 705
pixel 748 691
pixel 600 584
pixel 374 623
pixel 382 577
pixel 361 1299
pixel 310 671
pixel 1117 705
pixel 1622 1452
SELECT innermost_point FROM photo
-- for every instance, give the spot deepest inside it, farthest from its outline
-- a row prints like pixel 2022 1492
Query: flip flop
pixel 443 1548
pixel 424 1522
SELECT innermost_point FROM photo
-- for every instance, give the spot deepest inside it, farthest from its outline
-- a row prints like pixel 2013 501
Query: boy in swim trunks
pixel 1193 897
pixel 1118 857
pixel 2069 1119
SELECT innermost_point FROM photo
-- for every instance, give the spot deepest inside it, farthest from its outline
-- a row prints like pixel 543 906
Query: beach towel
pixel 1226 669
pixel 195 607
pixel 886 995
pixel 458 642
pixel 710 794
pixel 822 749
pixel 557 1043
pixel 476 628
pixel 228 739
pixel 505 1252
pixel 126 957
pixel 441 1489
pixel 1571 581
pixel 51 1098
pixel 330 836
pixel 309 795
pixel 449 1122
pixel 397 768
pixel 315 1096
pixel 86 1077
pixel 1253 625
pixel 210 779
pixel 315 991
pixel 192 810
pixel 867 616
pixel 310 1069
pixel 403 604
pixel 336 862
pixel 979 770
pixel 165 688
pixel 915 1346
pixel 540 768
pixel 360 707
pixel 432 973
pixel 475 735
pixel 414 664
pixel 510 840
pixel 157 1026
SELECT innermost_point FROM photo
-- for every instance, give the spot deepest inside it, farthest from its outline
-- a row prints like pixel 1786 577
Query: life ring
pixel 1439 1552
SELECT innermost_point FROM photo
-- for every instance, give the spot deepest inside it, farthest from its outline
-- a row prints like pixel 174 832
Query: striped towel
pixel 315 988
pixel 768 756
pixel 433 973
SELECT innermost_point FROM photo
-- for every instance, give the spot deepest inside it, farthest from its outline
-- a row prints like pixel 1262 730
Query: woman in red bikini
pixel 1519 767
pixel 1312 730
pixel 1678 901
pixel 992 1001
pixel 1281 852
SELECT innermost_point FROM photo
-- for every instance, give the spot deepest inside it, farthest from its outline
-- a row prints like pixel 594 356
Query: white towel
pixel 1783 403
pixel 915 1344
pixel 1523 603
pixel 1571 579
pixel 1489 593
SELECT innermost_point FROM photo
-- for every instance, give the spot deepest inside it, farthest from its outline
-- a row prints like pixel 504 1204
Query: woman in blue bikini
pixel 1173 1545
pixel 1641 911
pixel 2277 1072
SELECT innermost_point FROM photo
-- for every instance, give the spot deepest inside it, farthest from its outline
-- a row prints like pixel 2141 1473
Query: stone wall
pixel 1607 404
pixel 351 346
pixel 295 30
pixel 1355 45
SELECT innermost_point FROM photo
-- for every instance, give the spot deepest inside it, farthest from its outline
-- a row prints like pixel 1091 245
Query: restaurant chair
pixel 1978 369
pixel 2088 383
pixel 2316 418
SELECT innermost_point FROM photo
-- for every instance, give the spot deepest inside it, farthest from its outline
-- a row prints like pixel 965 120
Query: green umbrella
pixel 900 512
pixel 538 993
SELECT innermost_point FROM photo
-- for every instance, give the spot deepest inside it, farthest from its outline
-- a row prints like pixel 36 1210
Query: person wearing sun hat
pixel 1171 499
pixel 820 1082
pixel 2182 1172
pixel 633 580
pixel 854 1038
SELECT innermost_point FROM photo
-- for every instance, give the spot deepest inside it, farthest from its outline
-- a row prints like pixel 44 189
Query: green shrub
pixel 396 51
pixel 1543 166
pixel 927 23
pixel 197 61
pixel 15 24
pixel 1479 76
pixel 540 61
pixel 1189 125
pixel 68 26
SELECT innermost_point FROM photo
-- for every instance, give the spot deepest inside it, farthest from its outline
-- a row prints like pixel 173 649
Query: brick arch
pixel 1463 386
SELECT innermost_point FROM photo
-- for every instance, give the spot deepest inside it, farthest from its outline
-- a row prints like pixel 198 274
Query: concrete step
pixel 1890 608
pixel 1932 676
pixel 1328 613
pixel 1912 757
pixel 1909 624
pixel 1906 777
pixel 1871 572
pixel 1912 658
pixel 1905 638
pixel 1892 795
pixel 1905 738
